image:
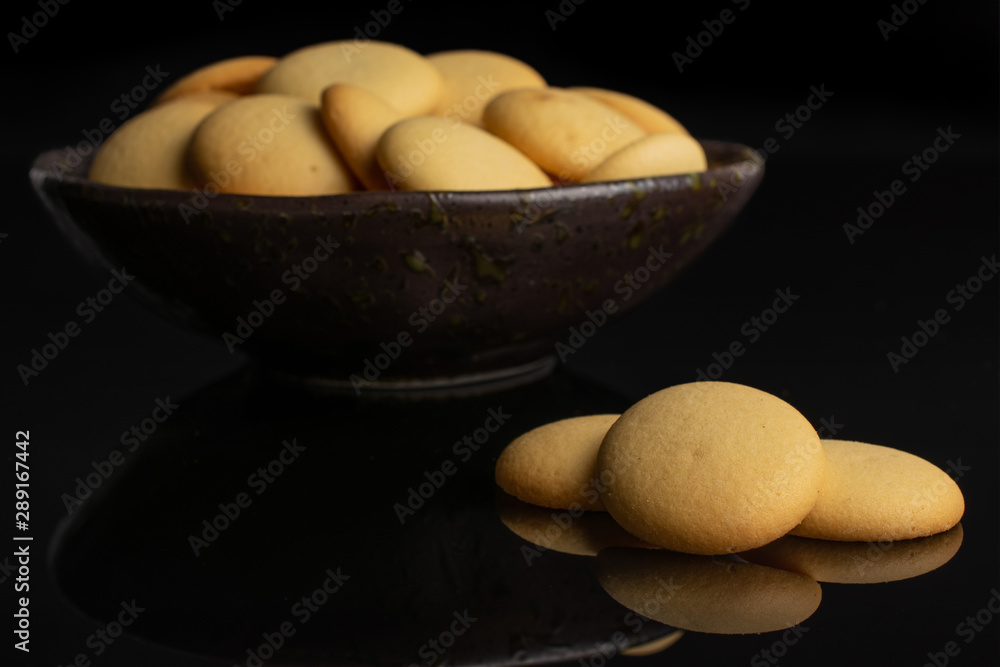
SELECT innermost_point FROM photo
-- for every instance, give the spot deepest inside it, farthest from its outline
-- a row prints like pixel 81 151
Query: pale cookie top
pixel 652 155
pixel 650 118
pixel 431 153
pixel 553 465
pixel 268 145
pixel 356 120
pixel 873 493
pixel 472 78
pixel 150 150
pixel 401 77
pixel 711 468
pixel 234 75
pixel 567 133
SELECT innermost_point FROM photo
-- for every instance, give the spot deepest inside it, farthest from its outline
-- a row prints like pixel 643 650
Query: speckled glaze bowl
pixel 402 290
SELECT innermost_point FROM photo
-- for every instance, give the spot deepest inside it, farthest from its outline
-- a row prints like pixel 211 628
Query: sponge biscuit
pixel 150 150
pixel 401 77
pixel 710 468
pixel 268 145
pixel 874 493
pixel 553 465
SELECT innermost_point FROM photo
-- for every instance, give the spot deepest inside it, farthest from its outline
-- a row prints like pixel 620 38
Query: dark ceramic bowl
pixel 402 290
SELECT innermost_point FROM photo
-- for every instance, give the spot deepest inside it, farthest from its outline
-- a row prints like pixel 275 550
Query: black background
pixel 827 355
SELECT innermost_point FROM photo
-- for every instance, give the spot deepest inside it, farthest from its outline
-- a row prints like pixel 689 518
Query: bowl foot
pixel 435 388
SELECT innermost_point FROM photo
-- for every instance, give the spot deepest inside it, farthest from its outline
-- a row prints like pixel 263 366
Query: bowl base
pixel 436 388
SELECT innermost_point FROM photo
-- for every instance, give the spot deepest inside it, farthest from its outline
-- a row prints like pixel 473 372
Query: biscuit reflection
pixel 859 562
pixel 708 594
pixel 571 532
pixel 655 646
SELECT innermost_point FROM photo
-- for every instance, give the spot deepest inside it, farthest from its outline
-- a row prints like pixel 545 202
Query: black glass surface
pixel 864 270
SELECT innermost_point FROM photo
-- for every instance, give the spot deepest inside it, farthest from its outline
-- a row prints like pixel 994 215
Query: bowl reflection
pixel 262 523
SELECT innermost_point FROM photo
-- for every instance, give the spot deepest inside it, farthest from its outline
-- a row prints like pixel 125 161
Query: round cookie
pixel 472 78
pixel 652 155
pixel 710 468
pixel 553 465
pixel 650 118
pixel 431 153
pixel 235 75
pixel 568 134
pixel 859 562
pixel 580 533
pixel 402 78
pixel 268 145
pixel 874 493
pixel 703 594
pixel 150 150
pixel 355 120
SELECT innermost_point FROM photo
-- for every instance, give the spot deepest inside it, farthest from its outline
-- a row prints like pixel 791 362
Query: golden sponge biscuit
pixel 710 468
pixel 553 465
pixel 859 562
pixel 431 153
pixel 150 150
pixel 568 134
pixel 650 118
pixel 566 531
pixel 652 155
pixel 472 78
pixel 234 75
pixel 873 493
pixel 356 120
pixel 268 145
pixel 704 594
pixel 401 77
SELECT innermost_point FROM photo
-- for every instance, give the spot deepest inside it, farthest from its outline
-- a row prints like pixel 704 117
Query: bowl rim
pixel 742 159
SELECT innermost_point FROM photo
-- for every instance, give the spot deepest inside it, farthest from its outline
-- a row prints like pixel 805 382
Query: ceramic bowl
pixel 401 290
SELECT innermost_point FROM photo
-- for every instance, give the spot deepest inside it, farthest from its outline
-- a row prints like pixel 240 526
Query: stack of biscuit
pixel 721 468
pixel 342 117
pixel 731 495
